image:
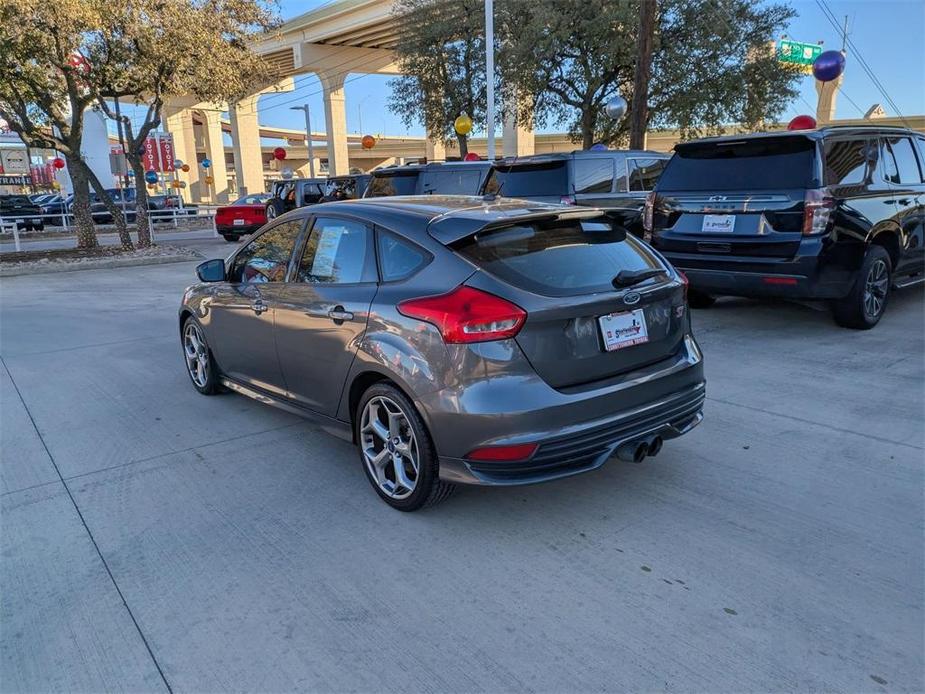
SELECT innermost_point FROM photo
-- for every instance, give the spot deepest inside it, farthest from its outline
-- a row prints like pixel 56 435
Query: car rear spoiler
pixel 453 227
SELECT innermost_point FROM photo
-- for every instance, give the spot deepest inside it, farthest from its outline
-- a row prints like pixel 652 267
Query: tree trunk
pixel 463 145
pixel 142 218
pixel 80 206
pixel 588 120
pixel 117 217
pixel 639 115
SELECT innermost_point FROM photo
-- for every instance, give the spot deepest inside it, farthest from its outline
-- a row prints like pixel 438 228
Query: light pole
pixel 308 138
pixel 490 75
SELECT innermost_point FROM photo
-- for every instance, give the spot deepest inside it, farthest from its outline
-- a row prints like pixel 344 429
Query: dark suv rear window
pixel 392 184
pixel 563 258
pixel 529 180
pixel 765 164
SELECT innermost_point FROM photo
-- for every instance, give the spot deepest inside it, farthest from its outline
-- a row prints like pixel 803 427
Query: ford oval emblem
pixel 631 298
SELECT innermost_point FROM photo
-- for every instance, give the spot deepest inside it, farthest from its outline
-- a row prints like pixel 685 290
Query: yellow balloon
pixel 463 125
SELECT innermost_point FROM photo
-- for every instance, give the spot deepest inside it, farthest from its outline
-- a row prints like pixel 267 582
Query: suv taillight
pixel 467 315
pixel 817 211
pixel 567 200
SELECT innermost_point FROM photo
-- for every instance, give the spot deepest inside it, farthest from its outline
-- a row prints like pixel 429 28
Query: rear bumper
pixel 237 230
pixel 805 276
pixel 576 431
pixel 587 449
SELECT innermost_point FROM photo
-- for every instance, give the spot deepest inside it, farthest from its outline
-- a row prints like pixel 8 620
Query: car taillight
pixel 467 315
pixel 817 211
pixel 507 454
pixel 648 216
pixel 686 282
pixel 567 200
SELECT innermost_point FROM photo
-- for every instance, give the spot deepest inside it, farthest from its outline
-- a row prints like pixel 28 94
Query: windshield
pixel 762 164
pixel 529 180
pixel 392 184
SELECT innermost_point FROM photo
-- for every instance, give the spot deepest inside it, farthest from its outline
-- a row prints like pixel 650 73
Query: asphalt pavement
pixel 154 538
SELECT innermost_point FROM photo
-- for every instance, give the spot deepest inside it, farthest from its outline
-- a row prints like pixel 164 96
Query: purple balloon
pixel 829 66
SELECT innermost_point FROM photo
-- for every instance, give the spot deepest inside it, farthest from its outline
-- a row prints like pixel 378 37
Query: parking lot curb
pixel 96 264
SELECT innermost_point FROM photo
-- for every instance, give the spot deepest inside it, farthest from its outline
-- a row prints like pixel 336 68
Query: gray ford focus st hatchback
pixel 454 340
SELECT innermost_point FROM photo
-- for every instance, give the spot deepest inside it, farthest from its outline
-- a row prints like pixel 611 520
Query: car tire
pixel 390 433
pixel 867 300
pixel 699 300
pixel 200 364
pixel 230 238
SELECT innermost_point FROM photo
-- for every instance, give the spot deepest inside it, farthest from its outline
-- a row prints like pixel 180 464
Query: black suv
pixel 19 209
pixel 836 213
pixel 616 180
pixel 443 178
pixel 291 193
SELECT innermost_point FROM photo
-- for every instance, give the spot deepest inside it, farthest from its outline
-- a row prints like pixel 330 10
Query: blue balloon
pixel 151 177
pixel 599 147
pixel 829 66
pixel 206 163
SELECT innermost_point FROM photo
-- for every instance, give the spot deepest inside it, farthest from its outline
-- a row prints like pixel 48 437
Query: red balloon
pixel 58 163
pixel 279 153
pixel 472 156
pixel 802 123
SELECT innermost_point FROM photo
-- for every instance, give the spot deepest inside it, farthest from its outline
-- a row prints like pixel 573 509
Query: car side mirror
pixel 211 270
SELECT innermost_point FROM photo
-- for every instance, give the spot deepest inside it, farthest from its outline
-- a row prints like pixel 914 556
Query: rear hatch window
pixel 529 180
pixel 384 185
pixel 557 258
pixel 760 164
pixel 591 335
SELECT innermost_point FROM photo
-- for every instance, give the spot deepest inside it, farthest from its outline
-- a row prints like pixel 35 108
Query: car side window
pixel 266 258
pixel 902 165
pixel 338 251
pixel 644 173
pixel 850 162
pixel 594 175
pixel 398 257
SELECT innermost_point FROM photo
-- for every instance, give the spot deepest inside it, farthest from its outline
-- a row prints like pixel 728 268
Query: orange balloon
pixel 209 180
pixel 368 142
pixel 185 167
pixel 175 184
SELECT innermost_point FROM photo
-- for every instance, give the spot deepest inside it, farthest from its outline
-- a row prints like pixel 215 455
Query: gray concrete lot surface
pixel 155 538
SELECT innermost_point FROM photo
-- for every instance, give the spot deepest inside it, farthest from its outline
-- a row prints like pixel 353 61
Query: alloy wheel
pixel 875 288
pixel 390 449
pixel 197 354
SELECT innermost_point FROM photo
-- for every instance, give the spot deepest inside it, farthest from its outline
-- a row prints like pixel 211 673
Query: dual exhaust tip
pixel 637 451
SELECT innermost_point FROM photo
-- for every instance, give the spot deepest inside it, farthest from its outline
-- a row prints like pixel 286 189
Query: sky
pixel 888 34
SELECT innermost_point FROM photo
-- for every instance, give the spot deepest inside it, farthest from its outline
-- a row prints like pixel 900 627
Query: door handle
pixel 259 307
pixel 339 315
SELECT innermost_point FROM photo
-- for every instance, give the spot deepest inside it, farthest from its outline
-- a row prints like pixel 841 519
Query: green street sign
pixel 798 53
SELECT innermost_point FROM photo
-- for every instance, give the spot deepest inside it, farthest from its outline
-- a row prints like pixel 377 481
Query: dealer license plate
pixel 624 329
pixel 238 222
pixel 718 223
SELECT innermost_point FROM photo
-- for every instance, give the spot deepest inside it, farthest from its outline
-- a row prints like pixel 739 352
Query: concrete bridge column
pixel 516 140
pixel 179 123
pixel 335 120
pixel 245 139
pixel 434 150
pixel 215 152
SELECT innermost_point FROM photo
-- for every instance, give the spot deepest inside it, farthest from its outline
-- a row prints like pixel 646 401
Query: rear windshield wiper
pixel 627 278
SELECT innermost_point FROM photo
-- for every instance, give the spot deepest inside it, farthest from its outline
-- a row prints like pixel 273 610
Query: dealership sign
pixel 157 154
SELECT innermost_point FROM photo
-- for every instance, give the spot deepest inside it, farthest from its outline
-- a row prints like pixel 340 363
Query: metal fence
pixel 64 222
